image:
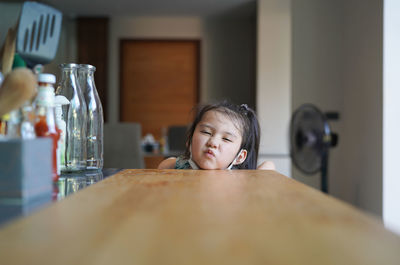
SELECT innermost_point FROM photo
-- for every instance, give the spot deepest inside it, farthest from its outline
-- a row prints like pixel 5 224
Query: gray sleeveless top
pixel 182 163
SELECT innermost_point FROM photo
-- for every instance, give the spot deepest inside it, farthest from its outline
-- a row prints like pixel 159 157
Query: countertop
pixel 198 217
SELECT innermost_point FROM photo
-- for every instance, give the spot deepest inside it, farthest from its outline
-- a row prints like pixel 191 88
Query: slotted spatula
pixel 39 29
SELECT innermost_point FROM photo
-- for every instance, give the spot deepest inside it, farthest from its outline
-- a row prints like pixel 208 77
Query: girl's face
pixel 216 142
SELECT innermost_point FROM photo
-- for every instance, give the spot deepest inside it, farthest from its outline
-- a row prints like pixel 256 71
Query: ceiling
pixel 152 7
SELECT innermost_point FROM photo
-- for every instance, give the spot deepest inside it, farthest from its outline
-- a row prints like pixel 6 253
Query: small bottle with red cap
pixel 45 122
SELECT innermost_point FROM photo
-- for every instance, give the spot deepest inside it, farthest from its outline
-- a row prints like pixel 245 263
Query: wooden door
pixel 159 83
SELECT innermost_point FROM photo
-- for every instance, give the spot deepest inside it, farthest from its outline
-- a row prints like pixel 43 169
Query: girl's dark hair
pixel 246 122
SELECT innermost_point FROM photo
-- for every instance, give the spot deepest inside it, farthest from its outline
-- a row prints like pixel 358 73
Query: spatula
pixel 39 29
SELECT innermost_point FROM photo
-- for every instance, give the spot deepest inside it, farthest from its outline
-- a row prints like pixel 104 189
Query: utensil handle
pixel 8 50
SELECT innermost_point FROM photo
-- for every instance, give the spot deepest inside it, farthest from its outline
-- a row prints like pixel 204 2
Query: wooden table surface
pixel 198 217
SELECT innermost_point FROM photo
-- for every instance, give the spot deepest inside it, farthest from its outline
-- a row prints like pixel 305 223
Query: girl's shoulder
pixel 267 165
pixel 168 163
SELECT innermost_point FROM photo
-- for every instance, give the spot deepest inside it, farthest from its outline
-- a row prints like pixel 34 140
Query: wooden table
pixel 198 217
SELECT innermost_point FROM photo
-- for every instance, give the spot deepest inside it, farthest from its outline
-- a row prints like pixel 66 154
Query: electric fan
pixel 310 140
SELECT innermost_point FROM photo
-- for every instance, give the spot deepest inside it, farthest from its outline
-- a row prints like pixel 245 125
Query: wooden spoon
pixel 18 86
pixel 9 50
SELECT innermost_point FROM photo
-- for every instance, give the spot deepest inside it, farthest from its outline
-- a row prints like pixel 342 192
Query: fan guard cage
pixel 310 138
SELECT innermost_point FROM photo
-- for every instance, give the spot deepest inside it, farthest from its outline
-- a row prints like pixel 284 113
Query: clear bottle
pixel 45 121
pixel 93 176
pixel 75 117
pixel 95 120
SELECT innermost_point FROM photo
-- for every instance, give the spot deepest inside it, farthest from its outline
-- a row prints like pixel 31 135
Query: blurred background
pixel 274 55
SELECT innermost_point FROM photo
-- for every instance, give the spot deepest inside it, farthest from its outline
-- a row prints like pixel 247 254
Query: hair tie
pixel 244 108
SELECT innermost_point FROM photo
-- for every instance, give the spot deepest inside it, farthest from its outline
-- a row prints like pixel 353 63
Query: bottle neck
pixel 69 75
pixel 45 97
pixel 45 111
pixel 87 79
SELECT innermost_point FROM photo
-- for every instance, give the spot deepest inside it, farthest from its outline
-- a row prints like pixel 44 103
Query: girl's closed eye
pixel 206 132
pixel 227 139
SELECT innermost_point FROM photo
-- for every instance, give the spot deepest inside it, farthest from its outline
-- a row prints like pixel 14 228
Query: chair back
pixel 122 145
pixel 177 139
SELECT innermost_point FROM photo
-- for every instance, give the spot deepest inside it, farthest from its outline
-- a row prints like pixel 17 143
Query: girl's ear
pixel 241 157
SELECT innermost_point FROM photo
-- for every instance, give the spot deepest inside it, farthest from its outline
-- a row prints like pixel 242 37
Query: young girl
pixel 222 136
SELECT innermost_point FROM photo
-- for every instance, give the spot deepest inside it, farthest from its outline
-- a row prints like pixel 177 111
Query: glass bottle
pixel 75 117
pixel 95 119
pixel 45 121
pixel 93 177
pixel 75 182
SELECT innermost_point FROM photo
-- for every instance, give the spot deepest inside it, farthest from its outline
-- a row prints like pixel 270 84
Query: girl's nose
pixel 212 142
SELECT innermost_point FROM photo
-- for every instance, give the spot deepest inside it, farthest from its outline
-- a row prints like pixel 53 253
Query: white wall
pixel 230 65
pixel 362 113
pixel 337 65
pixel 273 88
pixel 391 114
pixel 317 64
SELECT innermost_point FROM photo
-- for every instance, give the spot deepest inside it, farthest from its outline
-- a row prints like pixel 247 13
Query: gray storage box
pixel 13 208
pixel 25 169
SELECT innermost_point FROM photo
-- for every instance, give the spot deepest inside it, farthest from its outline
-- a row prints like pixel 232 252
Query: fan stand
pixel 324 172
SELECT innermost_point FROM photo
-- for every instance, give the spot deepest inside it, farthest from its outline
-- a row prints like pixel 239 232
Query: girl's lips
pixel 210 153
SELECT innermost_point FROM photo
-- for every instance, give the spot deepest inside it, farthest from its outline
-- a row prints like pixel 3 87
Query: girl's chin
pixel 205 167
pixel 208 163
pixel 208 166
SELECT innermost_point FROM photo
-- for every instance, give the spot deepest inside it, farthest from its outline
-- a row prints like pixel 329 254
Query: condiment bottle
pixel 95 117
pixel 45 121
pixel 28 121
pixel 75 117
pixel 14 124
